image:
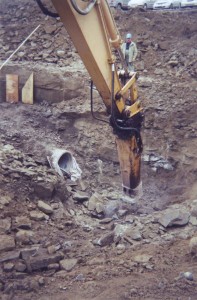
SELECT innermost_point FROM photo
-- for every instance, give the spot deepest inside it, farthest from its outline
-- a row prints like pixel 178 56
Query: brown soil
pixel 145 266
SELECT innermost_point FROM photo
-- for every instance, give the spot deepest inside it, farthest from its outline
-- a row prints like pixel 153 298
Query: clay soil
pixel 145 265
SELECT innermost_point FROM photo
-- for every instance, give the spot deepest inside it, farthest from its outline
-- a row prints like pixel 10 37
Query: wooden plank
pixel 27 90
pixel 12 94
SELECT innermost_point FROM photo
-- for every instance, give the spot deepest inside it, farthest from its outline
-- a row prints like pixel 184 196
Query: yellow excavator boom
pixel 93 31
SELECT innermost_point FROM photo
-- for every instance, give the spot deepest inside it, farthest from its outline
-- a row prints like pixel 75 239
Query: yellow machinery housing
pixel 93 31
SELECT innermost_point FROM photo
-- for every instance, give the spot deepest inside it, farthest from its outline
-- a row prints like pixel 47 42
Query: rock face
pixel 68 264
pixel 52 87
pixel 42 260
pixel 44 207
pixel 6 243
pixel 174 217
pixel 193 246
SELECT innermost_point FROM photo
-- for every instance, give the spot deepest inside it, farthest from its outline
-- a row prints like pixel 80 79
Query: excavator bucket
pixel 130 162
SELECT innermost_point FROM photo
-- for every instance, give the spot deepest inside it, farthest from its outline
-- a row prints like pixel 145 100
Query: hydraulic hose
pixel 45 10
pixel 84 11
pixel 91 101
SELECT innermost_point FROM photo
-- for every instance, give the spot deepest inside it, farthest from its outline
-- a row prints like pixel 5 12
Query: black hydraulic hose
pixel 84 11
pixel 91 101
pixel 45 10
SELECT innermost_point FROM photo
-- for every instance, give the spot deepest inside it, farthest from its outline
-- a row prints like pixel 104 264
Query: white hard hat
pixel 128 36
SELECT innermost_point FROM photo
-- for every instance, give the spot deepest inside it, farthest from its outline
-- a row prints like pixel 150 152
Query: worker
pixel 129 50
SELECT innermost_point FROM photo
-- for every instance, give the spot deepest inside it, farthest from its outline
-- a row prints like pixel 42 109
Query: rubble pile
pixel 61 239
pixel 53 230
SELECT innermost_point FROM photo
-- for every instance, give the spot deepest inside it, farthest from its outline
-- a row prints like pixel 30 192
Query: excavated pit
pixel 83 242
pixel 168 160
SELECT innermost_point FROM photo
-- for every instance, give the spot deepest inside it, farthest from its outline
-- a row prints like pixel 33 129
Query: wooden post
pixel 12 95
pixel 27 91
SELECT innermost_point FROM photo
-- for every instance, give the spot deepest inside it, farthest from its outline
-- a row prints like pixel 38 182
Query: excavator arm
pixel 93 31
